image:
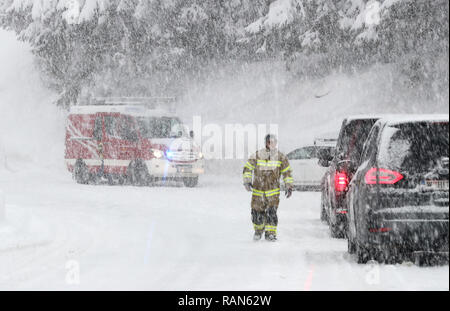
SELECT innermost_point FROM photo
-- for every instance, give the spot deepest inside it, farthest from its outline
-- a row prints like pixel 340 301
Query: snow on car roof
pixel 392 120
pixel 328 142
pixel 368 116
pixel 133 110
pixel 327 136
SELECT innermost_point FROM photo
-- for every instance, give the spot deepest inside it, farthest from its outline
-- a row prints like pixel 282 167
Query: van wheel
pixel 190 182
pixel 137 174
pixel 362 253
pixel 81 172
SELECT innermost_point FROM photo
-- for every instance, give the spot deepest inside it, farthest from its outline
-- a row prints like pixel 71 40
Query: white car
pixel 304 161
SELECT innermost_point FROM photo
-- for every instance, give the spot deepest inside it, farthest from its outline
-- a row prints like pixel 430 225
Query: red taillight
pixel 340 181
pixel 380 230
pixel 386 177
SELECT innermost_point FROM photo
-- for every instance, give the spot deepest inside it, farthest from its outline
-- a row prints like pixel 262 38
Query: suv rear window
pixel 414 147
pixel 352 139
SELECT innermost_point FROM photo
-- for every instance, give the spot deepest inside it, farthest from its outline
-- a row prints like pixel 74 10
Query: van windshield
pixel 160 127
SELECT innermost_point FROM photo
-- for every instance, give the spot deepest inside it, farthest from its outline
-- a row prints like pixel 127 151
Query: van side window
pixel 120 128
pixel 98 129
pixel 127 129
pixel 111 127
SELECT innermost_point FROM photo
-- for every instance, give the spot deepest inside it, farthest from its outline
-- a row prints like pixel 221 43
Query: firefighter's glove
pixel 248 187
pixel 288 193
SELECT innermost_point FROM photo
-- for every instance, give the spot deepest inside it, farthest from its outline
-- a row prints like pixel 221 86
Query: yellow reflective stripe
pixel 289 180
pixel 272 194
pixel 271 228
pixel 286 169
pixel 269 163
pixel 249 166
pixel 259 227
pixel 268 191
pixel 271 191
pixel 248 175
pixel 258 193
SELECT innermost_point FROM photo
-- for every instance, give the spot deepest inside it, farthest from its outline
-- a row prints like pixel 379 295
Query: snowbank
pixel 31 127
pixel 22 230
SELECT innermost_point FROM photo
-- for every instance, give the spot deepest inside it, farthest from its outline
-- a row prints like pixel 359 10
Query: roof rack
pixel 147 102
pixel 131 100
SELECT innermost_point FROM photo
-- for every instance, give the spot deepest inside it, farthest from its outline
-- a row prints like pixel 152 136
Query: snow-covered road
pixel 174 238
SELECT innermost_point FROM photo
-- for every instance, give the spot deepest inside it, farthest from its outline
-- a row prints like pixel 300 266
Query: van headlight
pixel 200 155
pixel 157 153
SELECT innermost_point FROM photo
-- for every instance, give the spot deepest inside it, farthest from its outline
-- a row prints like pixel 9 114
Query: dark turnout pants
pixel 265 221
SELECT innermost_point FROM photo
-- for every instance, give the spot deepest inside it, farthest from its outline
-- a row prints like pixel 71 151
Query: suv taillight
pixel 340 181
pixel 386 177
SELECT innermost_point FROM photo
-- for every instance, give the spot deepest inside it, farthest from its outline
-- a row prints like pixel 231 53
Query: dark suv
pixel 341 167
pixel 399 197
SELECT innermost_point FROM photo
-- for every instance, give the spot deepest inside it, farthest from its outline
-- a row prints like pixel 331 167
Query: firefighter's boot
pixel 258 235
pixel 271 233
pixel 271 237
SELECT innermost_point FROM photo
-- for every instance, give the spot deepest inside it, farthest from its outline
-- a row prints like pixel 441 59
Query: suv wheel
pixel 336 231
pixel 362 253
pixel 367 253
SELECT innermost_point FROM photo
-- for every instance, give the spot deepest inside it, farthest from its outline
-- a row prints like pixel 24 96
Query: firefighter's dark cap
pixel 270 137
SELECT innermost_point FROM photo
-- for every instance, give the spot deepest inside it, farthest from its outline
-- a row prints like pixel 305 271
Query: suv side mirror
pixel 325 157
pixel 325 154
pixel 324 163
pixel 191 134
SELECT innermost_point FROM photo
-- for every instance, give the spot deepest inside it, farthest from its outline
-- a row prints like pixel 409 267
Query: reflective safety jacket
pixel 264 170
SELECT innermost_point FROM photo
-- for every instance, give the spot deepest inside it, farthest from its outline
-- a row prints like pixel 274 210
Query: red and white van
pixel 127 141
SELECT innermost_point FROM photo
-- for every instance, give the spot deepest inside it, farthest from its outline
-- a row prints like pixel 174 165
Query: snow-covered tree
pixel 146 47
pixel 321 35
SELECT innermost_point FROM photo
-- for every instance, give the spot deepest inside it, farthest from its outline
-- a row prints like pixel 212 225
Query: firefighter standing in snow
pixel 262 174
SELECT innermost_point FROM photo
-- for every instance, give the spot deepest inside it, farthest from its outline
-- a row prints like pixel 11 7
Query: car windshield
pixel 414 147
pixel 160 127
pixel 352 139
